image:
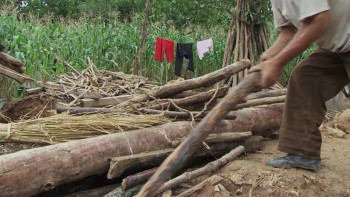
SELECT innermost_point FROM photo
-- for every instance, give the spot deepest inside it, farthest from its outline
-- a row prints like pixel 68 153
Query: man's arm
pixel 285 36
pixel 311 29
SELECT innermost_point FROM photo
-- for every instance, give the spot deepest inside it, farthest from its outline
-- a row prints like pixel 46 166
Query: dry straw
pixel 63 128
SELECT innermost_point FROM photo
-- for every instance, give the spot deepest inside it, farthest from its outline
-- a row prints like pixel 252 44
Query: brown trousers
pixel 318 78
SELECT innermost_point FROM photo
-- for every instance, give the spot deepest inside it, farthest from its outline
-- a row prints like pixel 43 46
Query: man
pixel 315 80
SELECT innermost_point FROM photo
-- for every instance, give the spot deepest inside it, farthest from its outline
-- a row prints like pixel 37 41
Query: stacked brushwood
pixel 92 87
pixel 179 105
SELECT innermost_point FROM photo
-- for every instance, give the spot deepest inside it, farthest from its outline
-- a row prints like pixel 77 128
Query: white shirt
pixel 336 37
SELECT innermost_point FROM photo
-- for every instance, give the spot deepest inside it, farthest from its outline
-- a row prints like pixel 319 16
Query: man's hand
pixel 270 70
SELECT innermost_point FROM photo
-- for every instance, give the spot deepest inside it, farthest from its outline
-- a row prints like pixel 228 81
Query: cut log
pixel 187 148
pixel 125 163
pixel 20 78
pixel 17 69
pixel 198 98
pixel 203 189
pixel 104 101
pixel 11 60
pixel 120 164
pixel 83 158
pixel 137 179
pixel 261 101
pixel 210 167
pixel 203 81
pixel 266 93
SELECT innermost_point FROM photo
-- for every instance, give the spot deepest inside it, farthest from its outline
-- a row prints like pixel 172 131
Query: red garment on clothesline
pixel 163 45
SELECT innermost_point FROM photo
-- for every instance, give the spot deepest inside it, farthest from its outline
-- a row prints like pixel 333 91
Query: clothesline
pixel 182 50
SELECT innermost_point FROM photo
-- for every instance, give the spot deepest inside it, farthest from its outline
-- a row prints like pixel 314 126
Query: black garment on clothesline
pixel 183 50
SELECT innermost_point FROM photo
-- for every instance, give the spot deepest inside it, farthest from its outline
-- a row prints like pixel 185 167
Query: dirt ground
pixel 252 174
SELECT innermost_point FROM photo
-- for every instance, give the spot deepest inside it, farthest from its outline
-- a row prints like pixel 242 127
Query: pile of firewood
pixel 92 87
pixel 185 102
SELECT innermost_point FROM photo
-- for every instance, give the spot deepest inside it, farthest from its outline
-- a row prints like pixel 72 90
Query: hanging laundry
pixel 183 50
pixel 204 46
pixel 163 45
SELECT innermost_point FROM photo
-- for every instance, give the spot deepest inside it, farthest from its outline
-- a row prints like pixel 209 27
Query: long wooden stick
pixel 198 98
pixel 187 148
pixel 203 81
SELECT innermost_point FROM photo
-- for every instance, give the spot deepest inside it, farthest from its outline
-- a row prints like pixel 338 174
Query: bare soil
pixel 251 174
pixel 30 107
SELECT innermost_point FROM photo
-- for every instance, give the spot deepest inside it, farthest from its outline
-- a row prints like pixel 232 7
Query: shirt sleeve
pixel 279 19
pixel 309 8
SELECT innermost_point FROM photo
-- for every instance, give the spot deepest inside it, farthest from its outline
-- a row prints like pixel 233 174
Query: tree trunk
pixel 143 39
pixel 51 166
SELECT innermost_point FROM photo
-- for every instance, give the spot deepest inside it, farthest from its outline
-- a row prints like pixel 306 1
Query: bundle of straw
pixel 62 127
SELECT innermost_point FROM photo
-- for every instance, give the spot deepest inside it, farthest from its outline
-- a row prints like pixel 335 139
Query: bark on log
pixel 137 179
pixel 82 158
pixel 205 188
pixel 210 167
pixel 188 147
pixel 203 81
pixel 267 93
pixel 20 78
pixel 198 98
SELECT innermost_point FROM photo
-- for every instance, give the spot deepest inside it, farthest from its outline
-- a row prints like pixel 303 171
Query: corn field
pixel 43 45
